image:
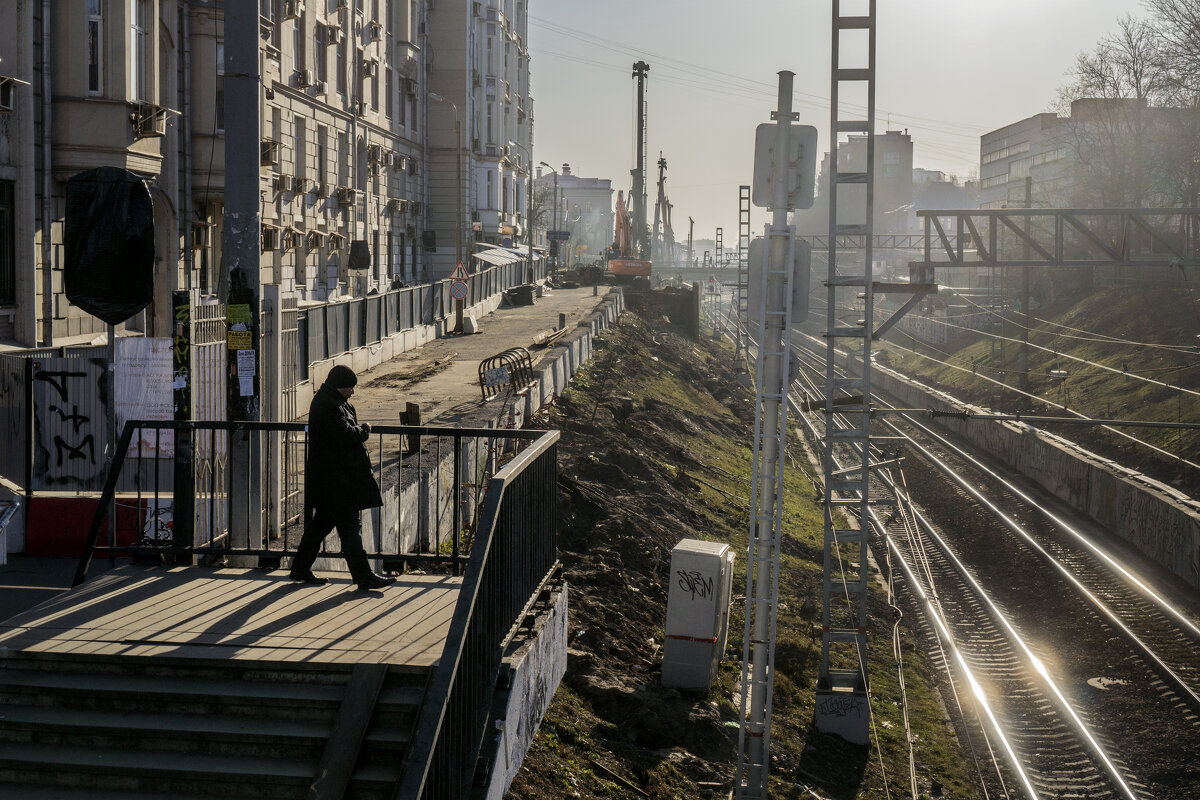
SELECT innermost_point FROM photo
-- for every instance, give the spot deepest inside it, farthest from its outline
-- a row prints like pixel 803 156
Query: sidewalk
pixel 441 376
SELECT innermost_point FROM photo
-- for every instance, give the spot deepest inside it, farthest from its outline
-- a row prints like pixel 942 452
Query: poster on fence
pixel 144 372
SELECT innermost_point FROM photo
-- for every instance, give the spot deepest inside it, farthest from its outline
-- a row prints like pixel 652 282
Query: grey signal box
pixel 801 266
pixel 801 161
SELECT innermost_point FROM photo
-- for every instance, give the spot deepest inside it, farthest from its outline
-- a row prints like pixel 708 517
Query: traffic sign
pixel 459 273
pixel 558 236
pixel 458 290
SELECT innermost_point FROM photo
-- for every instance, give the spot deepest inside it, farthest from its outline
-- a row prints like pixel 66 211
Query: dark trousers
pixel 318 525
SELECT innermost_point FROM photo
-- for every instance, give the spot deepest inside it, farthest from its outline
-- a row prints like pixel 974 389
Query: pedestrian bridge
pixel 200 670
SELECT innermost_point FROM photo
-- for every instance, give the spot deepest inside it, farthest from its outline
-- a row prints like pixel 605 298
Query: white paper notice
pixel 246 386
pixel 245 363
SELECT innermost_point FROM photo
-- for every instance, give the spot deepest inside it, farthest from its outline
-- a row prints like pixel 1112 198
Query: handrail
pixel 134 428
pixel 477 637
pixel 106 499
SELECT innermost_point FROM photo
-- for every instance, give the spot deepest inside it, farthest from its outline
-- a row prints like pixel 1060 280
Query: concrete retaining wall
pixel 1161 522
pixel 534 667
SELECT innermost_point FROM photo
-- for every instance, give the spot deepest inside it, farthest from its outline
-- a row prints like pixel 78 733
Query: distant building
pixel 893 186
pixel 482 67
pixel 1031 153
pixel 585 208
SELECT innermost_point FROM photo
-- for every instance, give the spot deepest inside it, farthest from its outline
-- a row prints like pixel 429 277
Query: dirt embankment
pixel 655 449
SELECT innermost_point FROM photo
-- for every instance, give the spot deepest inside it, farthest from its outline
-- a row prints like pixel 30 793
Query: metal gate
pixel 209 404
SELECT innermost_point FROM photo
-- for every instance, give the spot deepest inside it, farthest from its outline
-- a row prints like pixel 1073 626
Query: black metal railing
pixel 190 505
pixel 514 557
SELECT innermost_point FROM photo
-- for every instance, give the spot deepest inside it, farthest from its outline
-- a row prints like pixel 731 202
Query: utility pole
pixel 241 246
pixel 640 69
pixel 691 227
pixel 773 365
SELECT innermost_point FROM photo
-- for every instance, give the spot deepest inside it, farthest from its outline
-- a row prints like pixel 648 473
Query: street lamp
pixel 552 169
pixel 528 208
pixel 458 203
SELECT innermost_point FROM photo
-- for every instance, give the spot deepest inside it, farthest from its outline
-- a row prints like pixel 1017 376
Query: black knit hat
pixel 341 377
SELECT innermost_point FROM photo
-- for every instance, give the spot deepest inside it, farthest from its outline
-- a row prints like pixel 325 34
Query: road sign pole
pixel 459 276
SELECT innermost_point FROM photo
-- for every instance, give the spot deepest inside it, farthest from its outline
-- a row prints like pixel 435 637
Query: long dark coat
pixel 338 475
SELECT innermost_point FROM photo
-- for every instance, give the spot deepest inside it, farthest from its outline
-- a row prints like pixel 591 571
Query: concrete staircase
pixel 130 727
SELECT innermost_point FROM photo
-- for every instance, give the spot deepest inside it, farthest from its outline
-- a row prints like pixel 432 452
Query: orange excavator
pixel 623 261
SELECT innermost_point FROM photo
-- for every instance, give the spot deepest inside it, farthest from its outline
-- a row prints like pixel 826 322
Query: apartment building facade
pixel 138 84
pixel 1026 160
pixel 479 76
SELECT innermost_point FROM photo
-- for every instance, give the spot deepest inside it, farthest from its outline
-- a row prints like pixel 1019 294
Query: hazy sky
pixel 947 71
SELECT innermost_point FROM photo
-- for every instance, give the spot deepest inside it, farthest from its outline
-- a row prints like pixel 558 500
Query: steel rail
pixel 976 687
pixel 1099 752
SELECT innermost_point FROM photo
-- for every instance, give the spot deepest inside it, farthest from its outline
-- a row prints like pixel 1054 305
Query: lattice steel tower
pixel 842 704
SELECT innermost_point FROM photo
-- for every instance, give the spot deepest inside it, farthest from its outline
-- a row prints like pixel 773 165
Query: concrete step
pixel 184 730
pixel 170 774
pixel 166 695
pixel 205 734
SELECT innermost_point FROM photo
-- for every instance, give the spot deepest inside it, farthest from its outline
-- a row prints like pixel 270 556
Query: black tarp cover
pixel 109 244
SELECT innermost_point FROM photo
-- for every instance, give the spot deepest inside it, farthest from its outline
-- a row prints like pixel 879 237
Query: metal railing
pixel 187 507
pixel 513 559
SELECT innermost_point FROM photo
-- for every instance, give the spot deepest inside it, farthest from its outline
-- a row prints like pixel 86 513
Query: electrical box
pixel 697 613
pixel 801 278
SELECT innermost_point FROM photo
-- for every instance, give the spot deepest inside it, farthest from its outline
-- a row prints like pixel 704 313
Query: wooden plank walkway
pixel 243 615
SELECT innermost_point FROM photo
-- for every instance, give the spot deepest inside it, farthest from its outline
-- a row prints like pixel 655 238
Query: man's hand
pixel 366 426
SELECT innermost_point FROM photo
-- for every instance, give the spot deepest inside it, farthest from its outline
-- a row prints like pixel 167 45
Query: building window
pixel 220 89
pixel 322 152
pixel 8 243
pixel 301 148
pixel 388 90
pixel 320 61
pixel 375 89
pixel 140 55
pixel 341 64
pixel 95 31
pixel 298 43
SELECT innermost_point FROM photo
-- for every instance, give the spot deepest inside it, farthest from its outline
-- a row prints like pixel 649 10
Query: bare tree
pixel 1112 126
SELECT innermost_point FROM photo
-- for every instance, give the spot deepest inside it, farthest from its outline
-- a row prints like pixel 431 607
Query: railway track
pixel 1077 678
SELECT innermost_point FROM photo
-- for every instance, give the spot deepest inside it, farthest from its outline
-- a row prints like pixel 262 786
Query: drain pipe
pixel 47 338
pixel 185 122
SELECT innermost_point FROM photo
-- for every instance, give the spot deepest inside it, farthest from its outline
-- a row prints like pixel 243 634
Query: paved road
pixel 443 376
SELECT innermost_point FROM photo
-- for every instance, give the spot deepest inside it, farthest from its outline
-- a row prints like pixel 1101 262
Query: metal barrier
pixel 513 559
pixel 511 367
pixel 432 492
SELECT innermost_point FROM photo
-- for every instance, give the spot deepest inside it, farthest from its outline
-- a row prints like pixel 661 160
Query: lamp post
pixel 552 169
pixel 458 202
pixel 528 209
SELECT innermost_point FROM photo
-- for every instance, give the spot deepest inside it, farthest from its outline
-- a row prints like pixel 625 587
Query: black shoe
pixel 375 582
pixel 307 577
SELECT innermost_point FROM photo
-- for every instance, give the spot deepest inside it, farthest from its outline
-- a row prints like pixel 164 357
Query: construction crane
pixel 629 256
pixel 664 237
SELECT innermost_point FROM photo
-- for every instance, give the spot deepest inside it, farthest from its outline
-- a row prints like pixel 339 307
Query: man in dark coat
pixel 339 482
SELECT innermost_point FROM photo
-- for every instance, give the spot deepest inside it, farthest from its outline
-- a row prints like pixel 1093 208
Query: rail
pixel 188 505
pixel 513 558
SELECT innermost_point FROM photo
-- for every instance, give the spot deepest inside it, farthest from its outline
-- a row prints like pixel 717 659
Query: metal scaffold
pixel 842 702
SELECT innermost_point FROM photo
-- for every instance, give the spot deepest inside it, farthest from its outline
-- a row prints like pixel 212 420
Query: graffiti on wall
pixel 70 434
